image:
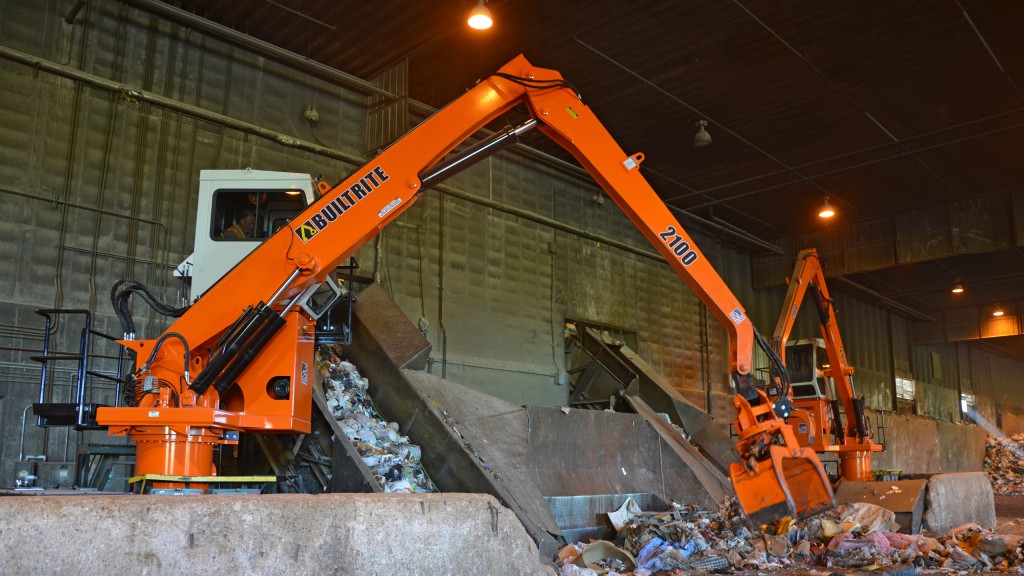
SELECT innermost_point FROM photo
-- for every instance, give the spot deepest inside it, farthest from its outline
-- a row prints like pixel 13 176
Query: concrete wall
pixel 366 534
pixel 919 445
pixel 1012 424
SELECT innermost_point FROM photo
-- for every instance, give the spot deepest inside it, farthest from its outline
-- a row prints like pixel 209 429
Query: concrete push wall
pixel 365 534
pixel 922 445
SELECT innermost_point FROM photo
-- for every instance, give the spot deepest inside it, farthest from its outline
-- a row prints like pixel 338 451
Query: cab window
pixel 247 215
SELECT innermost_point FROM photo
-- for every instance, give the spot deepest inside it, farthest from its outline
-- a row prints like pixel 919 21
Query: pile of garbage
pixel 858 536
pixel 1004 463
pixel 394 461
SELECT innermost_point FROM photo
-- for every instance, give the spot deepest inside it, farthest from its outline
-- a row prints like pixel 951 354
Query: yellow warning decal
pixel 306 232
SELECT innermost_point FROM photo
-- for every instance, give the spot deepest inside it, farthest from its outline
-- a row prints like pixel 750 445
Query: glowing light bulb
pixel 480 17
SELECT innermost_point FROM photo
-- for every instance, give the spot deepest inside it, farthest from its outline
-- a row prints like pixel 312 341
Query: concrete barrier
pixel 917 445
pixel 958 498
pixel 364 534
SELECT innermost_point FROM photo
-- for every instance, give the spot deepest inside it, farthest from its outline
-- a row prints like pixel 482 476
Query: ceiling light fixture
pixel 826 210
pixel 958 287
pixel 480 17
pixel 998 311
pixel 702 139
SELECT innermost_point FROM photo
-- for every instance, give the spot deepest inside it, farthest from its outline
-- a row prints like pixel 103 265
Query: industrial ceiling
pixel 887 108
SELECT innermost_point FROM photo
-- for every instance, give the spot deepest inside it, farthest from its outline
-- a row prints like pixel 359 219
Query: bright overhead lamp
pixel 958 287
pixel 998 311
pixel 826 210
pixel 702 139
pixel 480 17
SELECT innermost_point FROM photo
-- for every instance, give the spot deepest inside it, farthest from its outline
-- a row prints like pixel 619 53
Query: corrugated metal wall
pixel 974 225
pixel 970 226
pixel 995 382
pixel 844 249
pixel 935 366
pixel 864 335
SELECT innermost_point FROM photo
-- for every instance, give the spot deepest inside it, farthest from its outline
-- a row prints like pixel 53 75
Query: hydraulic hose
pixel 159 343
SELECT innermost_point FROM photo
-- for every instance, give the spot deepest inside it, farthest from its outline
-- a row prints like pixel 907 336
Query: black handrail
pixel 83 357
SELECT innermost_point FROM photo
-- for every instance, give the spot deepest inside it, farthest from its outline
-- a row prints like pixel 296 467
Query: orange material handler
pixel 252 372
pixel 816 412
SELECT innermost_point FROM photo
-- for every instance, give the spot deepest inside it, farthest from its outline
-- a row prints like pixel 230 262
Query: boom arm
pixel 225 351
pixel 854 441
pixel 380 191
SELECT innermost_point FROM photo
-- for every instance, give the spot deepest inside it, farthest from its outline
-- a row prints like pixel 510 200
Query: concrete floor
pixel 1010 514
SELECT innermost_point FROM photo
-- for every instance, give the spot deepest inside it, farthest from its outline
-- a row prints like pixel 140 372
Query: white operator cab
pixel 225 197
pixel 806 359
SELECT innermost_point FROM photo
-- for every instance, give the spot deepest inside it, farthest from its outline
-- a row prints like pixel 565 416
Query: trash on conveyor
pixel 859 536
pixel 394 461
pixel 1004 463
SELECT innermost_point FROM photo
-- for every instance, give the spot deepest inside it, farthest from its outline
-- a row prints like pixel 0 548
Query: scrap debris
pixel 849 537
pixel 394 461
pixel 1004 463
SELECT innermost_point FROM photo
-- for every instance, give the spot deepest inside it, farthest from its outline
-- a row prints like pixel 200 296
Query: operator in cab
pixel 243 226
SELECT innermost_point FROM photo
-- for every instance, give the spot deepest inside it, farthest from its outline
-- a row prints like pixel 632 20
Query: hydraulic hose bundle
pixel 781 403
pixel 119 295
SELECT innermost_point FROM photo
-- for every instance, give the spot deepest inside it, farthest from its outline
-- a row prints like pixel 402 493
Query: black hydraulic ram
pixel 234 331
pixel 236 355
pixel 482 149
pixel 860 418
pixel 243 342
pixel 268 323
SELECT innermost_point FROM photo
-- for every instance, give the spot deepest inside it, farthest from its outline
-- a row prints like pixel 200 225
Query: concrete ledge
pixel 958 498
pixel 364 534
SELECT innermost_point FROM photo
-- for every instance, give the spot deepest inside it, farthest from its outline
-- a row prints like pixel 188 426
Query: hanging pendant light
pixel 480 17
pixel 702 138
pixel 826 210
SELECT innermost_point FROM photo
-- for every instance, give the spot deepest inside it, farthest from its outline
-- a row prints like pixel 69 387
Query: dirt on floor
pixel 1010 515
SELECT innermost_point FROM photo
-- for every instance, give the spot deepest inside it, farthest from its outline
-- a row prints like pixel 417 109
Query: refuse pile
pixel 394 461
pixel 858 536
pixel 1004 463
